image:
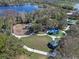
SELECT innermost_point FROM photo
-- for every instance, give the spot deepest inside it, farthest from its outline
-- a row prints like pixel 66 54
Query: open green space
pixel 60 33
pixel 50 15
pixel 37 42
pixel 31 56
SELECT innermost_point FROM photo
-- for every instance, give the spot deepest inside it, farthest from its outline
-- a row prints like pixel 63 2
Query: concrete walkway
pixel 53 37
pixel 41 34
pixel 38 51
pixel 67 28
pixel 35 51
pixel 19 37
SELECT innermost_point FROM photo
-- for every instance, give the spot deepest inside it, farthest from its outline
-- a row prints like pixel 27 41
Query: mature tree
pixel 3 39
pixel 36 27
pixel 11 48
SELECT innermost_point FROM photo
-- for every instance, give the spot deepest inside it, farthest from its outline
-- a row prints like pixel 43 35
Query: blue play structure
pixel 26 8
pixel 53 31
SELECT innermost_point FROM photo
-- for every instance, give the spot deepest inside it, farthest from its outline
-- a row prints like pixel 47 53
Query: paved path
pixel 41 34
pixel 19 37
pixel 67 28
pixel 53 37
pixel 38 51
pixel 42 52
pixel 34 50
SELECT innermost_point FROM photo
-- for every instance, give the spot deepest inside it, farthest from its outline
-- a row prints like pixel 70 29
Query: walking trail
pixel 38 51
pixel 43 52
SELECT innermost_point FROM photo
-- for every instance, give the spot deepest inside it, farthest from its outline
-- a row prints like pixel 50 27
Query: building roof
pixel 69 21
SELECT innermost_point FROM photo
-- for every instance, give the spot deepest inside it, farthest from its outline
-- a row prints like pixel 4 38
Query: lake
pixel 26 8
pixel 76 6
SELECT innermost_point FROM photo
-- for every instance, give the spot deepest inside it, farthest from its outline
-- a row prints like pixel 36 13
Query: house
pixel 68 21
pixel 71 22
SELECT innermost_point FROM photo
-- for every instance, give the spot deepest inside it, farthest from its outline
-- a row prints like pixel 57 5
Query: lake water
pixel 76 6
pixel 27 8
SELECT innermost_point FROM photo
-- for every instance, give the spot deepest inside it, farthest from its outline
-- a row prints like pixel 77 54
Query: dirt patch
pixel 22 57
pixel 42 57
pixel 20 29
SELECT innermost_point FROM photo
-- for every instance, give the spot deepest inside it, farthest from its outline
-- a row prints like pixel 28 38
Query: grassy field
pixel 32 56
pixel 37 42
pixel 60 34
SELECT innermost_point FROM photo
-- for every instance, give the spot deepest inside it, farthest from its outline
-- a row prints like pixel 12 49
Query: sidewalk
pixel 38 51
pixel 19 37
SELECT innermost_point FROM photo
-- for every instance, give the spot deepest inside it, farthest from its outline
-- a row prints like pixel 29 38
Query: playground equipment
pixel 53 31
pixel 53 44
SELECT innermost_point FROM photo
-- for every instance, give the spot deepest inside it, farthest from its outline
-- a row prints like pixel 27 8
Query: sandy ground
pixel 22 57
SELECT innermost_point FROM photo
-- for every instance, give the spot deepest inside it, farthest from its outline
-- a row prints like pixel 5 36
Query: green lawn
pixel 31 56
pixel 37 42
pixel 60 34
pixel 41 33
pixel 36 56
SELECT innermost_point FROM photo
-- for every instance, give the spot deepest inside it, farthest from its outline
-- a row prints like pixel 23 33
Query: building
pixel 71 22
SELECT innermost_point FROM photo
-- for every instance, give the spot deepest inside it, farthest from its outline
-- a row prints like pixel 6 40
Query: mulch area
pixel 19 29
